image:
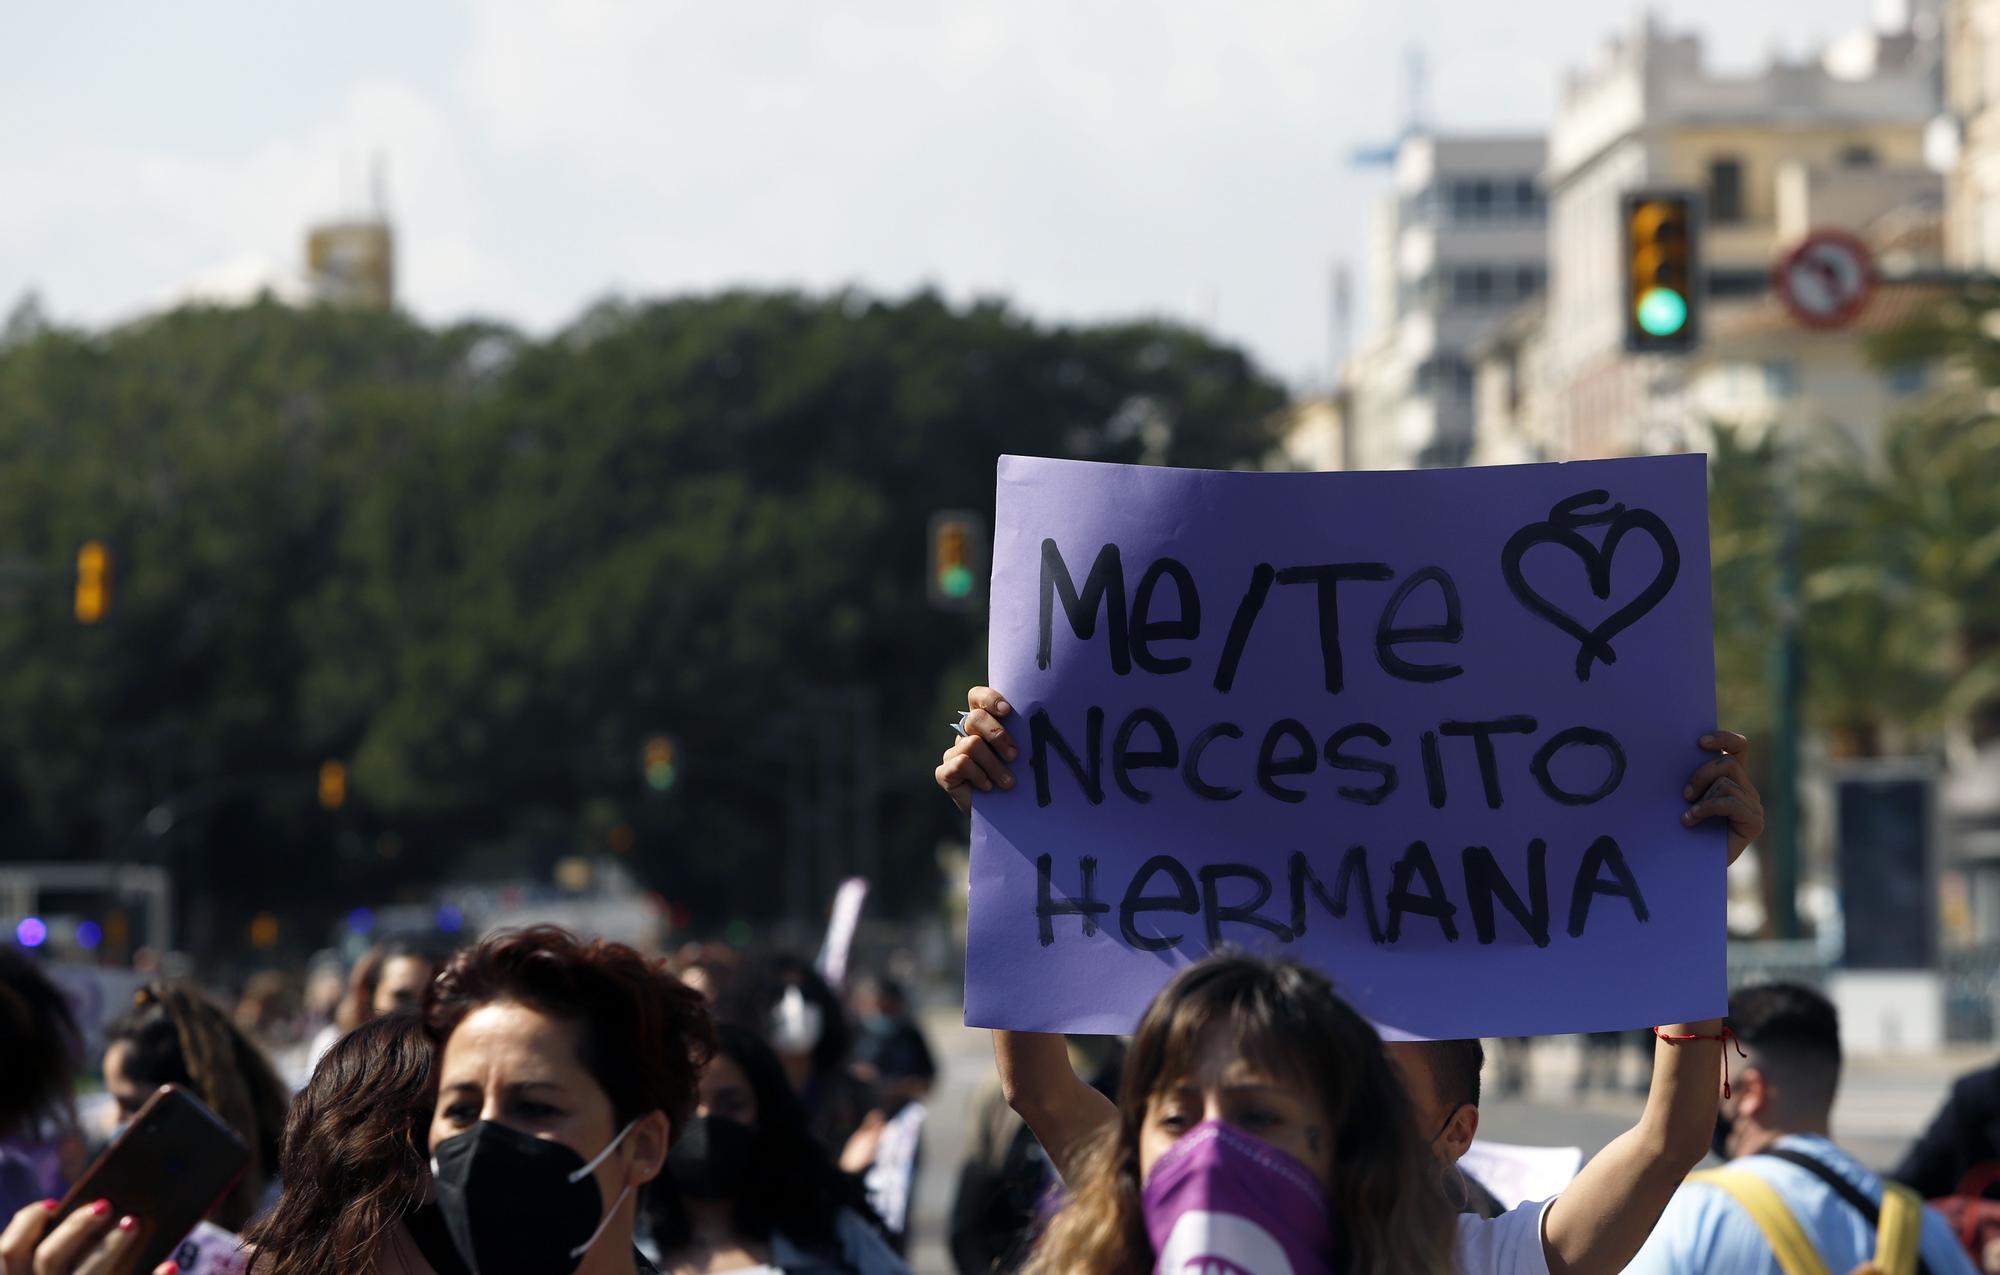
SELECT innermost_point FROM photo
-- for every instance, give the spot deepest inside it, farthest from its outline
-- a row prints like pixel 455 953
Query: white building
pixel 1836 142
pixel 1458 242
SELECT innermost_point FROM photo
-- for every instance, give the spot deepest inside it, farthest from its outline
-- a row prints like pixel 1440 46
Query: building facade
pixel 1972 93
pixel 1458 242
pixel 1836 142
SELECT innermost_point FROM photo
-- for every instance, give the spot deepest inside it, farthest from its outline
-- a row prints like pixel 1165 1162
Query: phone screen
pixel 173 1163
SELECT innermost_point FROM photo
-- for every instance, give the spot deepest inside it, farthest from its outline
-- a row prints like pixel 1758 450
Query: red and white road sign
pixel 1827 280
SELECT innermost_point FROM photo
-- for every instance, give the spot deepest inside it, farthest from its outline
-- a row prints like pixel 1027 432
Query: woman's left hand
pixel 1721 789
pixel 90 1241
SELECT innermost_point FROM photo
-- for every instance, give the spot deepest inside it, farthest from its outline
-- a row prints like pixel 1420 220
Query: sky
pixel 1084 159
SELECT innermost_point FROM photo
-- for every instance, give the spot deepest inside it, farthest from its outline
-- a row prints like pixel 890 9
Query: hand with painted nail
pixel 978 758
pixel 93 1240
pixel 1721 789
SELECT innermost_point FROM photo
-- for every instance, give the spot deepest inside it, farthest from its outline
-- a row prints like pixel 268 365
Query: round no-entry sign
pixel 1827 280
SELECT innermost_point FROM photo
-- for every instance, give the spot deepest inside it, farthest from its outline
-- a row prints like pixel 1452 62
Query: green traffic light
pixel 1662 312
pixel 955 582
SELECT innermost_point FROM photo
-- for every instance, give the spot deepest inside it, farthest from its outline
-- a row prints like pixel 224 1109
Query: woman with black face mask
pixel 749 1190
pixel 565 1072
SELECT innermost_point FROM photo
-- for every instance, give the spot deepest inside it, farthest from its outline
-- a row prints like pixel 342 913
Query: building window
pixel 1725 191
pixel 1781 378
pixel 1446 374
pixel 1906 379
pixel 1857 157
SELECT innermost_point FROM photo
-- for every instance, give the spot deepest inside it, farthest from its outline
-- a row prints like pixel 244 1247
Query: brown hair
pixel 354 1161
pixel 43 1047
pixel 174 1035
pixel 646 1035
pixel 1384 1195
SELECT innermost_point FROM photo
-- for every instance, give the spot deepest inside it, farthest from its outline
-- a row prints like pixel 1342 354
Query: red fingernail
pixel 170 1268
pixel 128 1223
pixel 51 1205
pixel 101 1208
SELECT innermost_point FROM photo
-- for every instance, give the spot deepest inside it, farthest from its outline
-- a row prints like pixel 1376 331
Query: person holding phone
pixel 175 1035
pixel 566 1071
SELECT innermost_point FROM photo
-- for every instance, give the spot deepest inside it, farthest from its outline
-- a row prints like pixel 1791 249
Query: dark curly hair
pixel 645 1034
pixel 799 1189
pixel 44 1048
pixel 354 1162
pixel 174 1035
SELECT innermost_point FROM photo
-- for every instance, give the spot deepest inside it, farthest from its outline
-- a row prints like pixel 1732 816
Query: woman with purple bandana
pixel 1224 1052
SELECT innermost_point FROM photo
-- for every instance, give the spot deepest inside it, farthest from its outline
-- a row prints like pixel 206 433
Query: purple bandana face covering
pixel 1221 1202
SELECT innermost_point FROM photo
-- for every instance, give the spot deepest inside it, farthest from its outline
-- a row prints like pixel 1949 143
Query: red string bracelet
pixel 1725 1036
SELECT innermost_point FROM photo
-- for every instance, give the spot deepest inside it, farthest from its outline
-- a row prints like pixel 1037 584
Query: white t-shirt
pixel 1510 1244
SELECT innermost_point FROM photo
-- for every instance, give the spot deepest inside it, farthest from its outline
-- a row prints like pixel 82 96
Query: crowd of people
pixel 539 1103
pixel 531 1103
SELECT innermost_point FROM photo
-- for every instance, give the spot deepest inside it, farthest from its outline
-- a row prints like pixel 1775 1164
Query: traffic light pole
pixel 1781 846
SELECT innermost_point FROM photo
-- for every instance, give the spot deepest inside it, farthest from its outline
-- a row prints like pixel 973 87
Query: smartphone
pixel 173 1163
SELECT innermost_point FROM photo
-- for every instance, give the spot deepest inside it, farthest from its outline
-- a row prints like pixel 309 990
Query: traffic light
pixel 1663 279
pixel 93 582
pixel 955 554
pixel 332 784
pixel 659 763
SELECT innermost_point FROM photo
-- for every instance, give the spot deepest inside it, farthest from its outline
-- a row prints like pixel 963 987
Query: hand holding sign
pixel 1720 789
pixel 1367 719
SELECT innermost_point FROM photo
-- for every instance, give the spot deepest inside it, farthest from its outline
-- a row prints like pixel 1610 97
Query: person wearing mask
pixel 357 1176
pixel 1442 1080
pixel 566 1071
pixel 1259 1127
pixel 806 1026
pixel 174 1035
pixel 40 1053
pixel 1787 1183
pixel 890 1051
pixel 1592 1228
pixel 749 1189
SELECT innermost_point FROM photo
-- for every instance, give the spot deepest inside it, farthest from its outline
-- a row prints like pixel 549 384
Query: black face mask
pixel 519 1205
pixel 425 1223
pixel 712 1158
pixel 1718 1141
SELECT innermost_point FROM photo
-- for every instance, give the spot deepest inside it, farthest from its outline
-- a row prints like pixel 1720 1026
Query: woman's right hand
pixel 91 1241
pixel 977 759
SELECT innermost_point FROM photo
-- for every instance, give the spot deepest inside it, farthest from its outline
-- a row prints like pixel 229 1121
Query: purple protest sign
pixel 1426 731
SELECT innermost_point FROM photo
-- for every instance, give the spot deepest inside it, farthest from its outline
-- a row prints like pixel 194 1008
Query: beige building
pixel 1314 435
pixel 1836 142
pixel 1972 133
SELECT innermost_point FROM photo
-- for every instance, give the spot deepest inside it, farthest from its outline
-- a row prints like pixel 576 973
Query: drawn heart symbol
pixel 1561 528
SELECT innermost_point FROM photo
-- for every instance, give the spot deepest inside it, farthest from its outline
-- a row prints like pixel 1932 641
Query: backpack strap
pixel 1901 1227
pixel 1890 1242
pixel 1789 1245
